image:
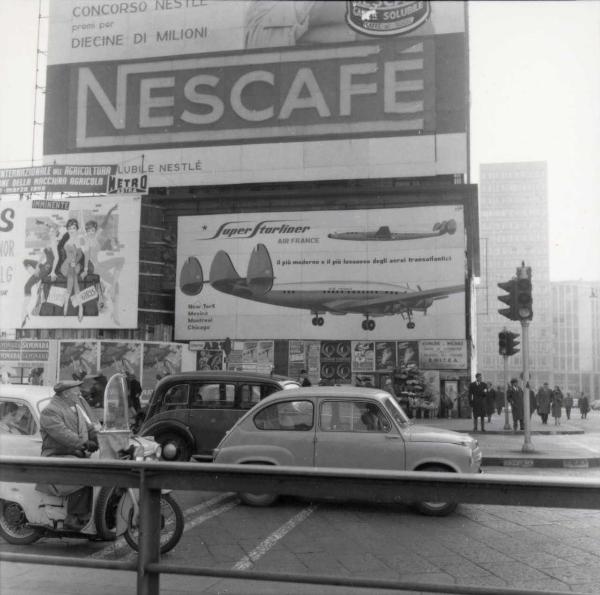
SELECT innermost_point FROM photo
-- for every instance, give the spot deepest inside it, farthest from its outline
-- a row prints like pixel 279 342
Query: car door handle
pixel 392 437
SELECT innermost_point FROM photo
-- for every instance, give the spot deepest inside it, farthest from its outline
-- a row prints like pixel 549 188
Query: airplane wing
pixel 409 299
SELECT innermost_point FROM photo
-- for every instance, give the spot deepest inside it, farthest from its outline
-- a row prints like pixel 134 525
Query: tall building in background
pixel 513 220
pixel 576 336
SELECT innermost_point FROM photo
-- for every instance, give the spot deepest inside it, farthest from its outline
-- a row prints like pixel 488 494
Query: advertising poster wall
pixel 64 263
pixel 252 356
pixel 385 355
pixel 204 92
pixel 121 357
pixel 443 355
pixel 160 360
pixel 148 361
pixel 370 274
pixel 78 359
pixel 28 361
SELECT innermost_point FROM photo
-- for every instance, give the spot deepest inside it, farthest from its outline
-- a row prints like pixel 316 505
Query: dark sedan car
pixel 189 413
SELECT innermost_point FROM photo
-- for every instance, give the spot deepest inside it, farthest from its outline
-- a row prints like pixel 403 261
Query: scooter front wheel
pixel 105 512
pixel 14 527
pixel 171 525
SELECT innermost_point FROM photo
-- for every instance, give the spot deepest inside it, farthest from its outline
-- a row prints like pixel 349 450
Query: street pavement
pixel 573 449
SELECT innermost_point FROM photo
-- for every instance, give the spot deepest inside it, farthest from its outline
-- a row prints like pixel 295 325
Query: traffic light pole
pixel 506 422
pixel 527 445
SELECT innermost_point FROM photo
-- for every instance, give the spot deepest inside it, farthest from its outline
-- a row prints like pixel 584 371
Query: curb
pixel 520 432
pixel 547 462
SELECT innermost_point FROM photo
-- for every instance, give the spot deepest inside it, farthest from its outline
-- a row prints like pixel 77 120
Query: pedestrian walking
pixel 568 403
pixel 557 402
pixel 584 405
pixel 490 401
pixel 514 395
pixel 477 394
pixel 499 400
pixel 543 401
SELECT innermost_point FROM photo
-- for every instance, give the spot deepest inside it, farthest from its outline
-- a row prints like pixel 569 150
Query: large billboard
pixel 367 274
pixel 203 92
pixel 69 263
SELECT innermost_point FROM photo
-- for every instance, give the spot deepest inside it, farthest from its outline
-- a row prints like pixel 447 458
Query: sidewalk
pixel 575 443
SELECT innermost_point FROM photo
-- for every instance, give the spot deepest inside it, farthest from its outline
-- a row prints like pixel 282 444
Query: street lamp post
pixel 527 445
pixel 506 422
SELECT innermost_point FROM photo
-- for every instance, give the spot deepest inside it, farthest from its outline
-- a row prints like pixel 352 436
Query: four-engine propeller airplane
pixel 383 234
pixel 334 297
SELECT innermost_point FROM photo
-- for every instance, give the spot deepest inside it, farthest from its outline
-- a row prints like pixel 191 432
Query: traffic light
pixel 524 300
pixel 507 343
pixel 512 343
pixel 502 343
pixel 510 299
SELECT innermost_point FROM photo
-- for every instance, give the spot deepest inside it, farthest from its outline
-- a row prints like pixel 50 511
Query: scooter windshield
pixel 116 410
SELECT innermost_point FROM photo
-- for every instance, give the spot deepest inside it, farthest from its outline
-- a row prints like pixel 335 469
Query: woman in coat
pixel 557 402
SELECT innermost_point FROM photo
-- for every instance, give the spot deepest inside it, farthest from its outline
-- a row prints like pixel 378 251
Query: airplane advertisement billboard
pixel 70 263
pixel 377 274
pixel 202 92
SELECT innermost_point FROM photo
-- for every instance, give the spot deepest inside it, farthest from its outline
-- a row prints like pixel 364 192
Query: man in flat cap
pixel 67 431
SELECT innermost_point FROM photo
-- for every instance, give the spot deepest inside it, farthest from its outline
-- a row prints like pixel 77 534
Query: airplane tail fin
pixel 222 270
pixel 448 227
pixel 191 279
pixel 451 226
pixel 260 276
pixel 383 232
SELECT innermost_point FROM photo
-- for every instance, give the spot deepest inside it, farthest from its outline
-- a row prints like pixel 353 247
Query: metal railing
pixel 364 485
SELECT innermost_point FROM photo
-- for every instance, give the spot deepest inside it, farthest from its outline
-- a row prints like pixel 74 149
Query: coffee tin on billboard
pixel 380 18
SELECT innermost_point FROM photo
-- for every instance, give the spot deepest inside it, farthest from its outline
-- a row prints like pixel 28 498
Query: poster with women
pixel 65 262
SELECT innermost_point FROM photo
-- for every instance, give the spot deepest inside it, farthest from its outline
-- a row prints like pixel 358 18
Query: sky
pixel 535 96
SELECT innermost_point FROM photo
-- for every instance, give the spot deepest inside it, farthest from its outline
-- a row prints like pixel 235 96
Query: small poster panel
pixel 363 356
pixel 443 354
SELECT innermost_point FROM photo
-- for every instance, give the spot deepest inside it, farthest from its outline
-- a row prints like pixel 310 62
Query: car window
pixel 176 397
pixel 289 415
pixel 16 418
pixel 213 395
pixel 396 411
pixel 353 416
pixel 250 394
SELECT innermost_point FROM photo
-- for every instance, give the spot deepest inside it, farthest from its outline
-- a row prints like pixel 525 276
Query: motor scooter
pixel 27 514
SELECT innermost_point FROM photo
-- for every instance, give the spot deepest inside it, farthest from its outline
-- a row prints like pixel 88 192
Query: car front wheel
pixel 258 500
pixel 436 508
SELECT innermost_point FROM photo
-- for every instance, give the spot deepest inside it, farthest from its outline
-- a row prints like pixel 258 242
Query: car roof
pixel 223 375
pixel 27 392
pixel 355 392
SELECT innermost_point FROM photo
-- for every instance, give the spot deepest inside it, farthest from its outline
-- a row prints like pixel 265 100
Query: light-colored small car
pixel 348 427
pixel 20 407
